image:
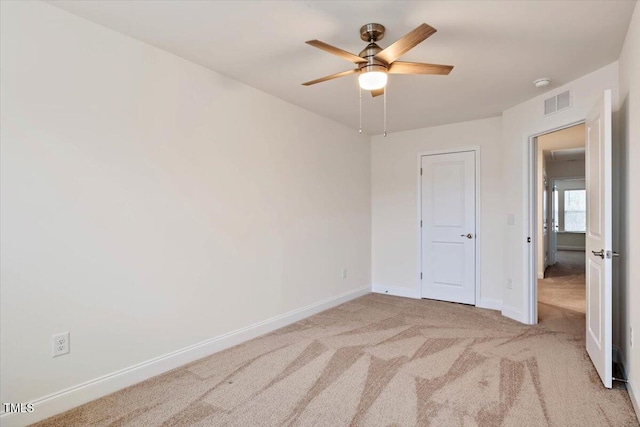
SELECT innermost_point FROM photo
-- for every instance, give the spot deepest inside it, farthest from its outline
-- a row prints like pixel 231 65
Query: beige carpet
pixel 382 361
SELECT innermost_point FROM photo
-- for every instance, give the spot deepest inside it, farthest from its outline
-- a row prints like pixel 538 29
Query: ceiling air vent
pixel 557 103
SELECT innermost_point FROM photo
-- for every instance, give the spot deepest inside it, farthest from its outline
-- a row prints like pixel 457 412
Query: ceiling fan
pixel 374 63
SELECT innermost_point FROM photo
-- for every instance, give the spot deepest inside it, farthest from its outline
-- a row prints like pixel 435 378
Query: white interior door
pixel 448 207
pixel 599 237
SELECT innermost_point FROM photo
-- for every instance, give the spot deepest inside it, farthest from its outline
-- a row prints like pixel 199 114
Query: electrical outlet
pixel 61 344
pixel 344 273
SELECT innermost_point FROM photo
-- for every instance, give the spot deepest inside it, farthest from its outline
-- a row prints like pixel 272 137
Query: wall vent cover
pixel 557 103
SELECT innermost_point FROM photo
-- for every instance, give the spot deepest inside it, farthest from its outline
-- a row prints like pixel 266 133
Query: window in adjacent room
pixel 575 210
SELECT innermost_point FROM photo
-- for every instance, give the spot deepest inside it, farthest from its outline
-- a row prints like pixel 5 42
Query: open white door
pixel 599 237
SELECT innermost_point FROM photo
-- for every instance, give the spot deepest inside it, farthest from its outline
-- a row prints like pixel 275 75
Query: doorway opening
pixel 597 322
pixel 561 224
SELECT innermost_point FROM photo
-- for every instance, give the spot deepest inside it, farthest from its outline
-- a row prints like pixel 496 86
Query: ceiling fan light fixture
pixel 373 78
pixel 374 63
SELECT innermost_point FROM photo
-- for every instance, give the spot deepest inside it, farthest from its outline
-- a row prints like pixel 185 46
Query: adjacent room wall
pixel 567 168
pixel 629 248
pixel 518 124
pixel 571 241
pixel 395 228
pixel 150 204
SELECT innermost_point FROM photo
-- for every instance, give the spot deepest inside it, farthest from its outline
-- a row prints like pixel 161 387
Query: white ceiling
pixel 497 47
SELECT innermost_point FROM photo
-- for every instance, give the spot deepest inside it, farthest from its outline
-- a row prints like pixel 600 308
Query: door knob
pixel 468 236
pixel 599 253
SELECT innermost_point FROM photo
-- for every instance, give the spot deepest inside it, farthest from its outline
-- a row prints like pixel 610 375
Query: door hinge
pixel 420 223
pixel 420 276
pixel 528 239
pixel 420 171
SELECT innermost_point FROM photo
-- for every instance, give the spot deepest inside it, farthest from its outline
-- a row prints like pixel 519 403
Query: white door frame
pixel 531 285
pixel 476 150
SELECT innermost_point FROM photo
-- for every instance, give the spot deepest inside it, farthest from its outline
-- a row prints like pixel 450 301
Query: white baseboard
pixel 396 291
pixel 512 313
pixel 71 397
pixel 490 303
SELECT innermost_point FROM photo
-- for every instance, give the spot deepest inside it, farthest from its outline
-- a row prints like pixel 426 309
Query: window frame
pixel 564 211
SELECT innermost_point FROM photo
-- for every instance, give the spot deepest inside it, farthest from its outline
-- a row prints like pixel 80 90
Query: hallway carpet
pixel 382 361
pixel 564 285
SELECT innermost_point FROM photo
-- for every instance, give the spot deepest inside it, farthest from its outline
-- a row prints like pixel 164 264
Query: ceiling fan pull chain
pixel 385 111
pixel 360 128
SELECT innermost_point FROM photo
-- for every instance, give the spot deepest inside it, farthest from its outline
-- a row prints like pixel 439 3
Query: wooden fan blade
pixel 336 51
pixel 419 68
pixel 331 77
pixel 377 92
pixel 406 43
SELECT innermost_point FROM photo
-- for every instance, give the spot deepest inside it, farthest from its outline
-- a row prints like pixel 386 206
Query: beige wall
pixel 395 228
pixel 150 204
pixel 629 246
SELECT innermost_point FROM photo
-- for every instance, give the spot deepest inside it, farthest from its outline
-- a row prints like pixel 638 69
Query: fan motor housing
pixel 372 64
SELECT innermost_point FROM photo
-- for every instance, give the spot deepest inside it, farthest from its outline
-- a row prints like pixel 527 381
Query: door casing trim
pixel 531 285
